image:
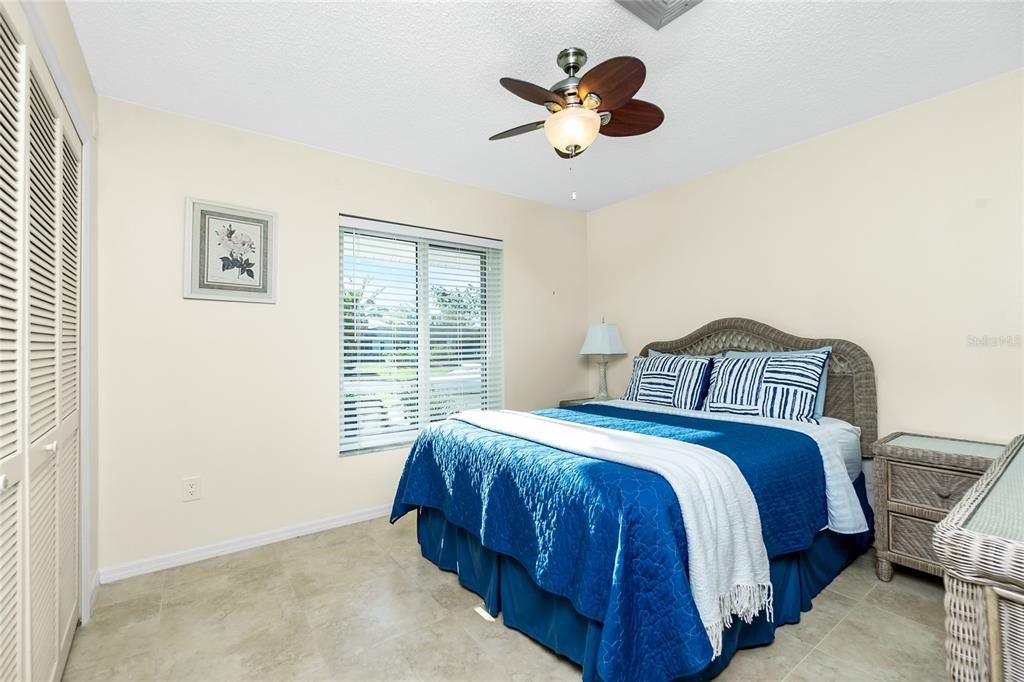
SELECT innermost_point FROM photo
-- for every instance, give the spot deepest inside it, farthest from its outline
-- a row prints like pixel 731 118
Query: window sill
pixel 403 446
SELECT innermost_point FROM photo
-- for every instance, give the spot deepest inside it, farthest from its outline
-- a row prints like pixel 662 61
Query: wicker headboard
pixel 850 395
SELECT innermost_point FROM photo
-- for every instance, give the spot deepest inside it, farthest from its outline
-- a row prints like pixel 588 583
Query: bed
pixel 595 559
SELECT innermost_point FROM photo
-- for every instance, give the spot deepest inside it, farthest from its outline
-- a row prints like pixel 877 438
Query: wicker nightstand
pixel 918 479
pixel 574 401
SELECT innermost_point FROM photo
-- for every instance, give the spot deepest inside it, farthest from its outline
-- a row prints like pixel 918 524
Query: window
pixel 421 333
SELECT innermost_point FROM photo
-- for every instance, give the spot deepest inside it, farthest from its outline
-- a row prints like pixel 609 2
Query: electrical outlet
pixel 191 489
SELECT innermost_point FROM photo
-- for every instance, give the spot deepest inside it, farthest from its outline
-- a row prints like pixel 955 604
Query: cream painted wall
pixel 902 233
pixel 245 395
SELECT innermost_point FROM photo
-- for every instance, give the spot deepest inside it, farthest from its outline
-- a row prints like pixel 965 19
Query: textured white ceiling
pixel 415 84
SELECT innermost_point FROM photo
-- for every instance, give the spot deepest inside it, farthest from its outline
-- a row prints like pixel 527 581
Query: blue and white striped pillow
pixel 671 380
pixel 781 387
pixel 819 403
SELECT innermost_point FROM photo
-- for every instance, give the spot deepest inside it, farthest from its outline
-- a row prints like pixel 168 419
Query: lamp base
pixel 602 380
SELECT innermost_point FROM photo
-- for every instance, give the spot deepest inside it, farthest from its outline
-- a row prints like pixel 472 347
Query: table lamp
pixel 602 340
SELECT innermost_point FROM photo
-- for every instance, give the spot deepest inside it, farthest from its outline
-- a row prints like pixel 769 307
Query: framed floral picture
pixel 230 253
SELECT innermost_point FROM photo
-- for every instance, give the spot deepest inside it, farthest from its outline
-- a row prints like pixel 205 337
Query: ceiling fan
pixel 599 102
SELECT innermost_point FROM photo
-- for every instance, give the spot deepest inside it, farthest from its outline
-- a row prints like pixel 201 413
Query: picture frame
pixel 230 253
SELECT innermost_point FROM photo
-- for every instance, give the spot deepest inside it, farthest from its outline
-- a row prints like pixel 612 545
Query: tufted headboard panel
pixel 850 394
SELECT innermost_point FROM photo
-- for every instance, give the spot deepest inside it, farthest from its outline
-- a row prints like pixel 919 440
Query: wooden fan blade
pixel 635 117
pixel 614 81
pixel 518 130
pixel 569 156
pixel 532 93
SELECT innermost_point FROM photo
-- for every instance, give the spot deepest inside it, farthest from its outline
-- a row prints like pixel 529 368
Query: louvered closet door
pixel 40 211
pixel 12 458
pixel 67 393
pixel 52 304
pixel 41 390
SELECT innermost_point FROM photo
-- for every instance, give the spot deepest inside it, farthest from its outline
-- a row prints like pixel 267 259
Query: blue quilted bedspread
pixel 606 536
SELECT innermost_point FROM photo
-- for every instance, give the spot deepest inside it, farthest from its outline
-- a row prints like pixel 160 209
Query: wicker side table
pixel 575 401
pixel 981 548
pixel 918 479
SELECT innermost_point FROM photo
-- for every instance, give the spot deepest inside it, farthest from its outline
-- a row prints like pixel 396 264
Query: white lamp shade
pixel 603 339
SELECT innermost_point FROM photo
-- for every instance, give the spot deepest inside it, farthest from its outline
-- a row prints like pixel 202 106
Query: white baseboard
pixel 187 556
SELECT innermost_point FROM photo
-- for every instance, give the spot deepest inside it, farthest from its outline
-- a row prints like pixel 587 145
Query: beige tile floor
pixel 359 603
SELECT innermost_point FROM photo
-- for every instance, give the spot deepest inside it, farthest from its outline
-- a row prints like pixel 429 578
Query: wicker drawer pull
pixel 923 486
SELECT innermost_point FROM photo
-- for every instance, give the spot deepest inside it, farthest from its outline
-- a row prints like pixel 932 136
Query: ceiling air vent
pixel 659 13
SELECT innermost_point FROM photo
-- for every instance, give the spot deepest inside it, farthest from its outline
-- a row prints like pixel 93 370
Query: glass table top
pixel 948 445
pixel 1001 512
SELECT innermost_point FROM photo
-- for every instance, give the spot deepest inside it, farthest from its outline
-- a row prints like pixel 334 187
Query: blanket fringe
pixel 744 602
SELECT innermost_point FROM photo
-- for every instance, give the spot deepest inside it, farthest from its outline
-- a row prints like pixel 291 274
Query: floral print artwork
pixel 239 248
pixel 229 253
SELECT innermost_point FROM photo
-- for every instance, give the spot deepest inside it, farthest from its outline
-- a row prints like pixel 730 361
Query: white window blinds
pixel 421 332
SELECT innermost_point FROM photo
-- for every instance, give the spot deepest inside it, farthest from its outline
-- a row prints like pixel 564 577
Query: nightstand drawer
pixel 911 537
pixel 935 488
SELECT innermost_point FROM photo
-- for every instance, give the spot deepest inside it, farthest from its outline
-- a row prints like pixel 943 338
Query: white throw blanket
pixel 728 562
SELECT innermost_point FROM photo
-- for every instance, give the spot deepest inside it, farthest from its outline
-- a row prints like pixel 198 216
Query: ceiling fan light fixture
pixel 572 129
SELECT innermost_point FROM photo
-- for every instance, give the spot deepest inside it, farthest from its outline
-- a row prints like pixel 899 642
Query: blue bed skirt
pixel 506 588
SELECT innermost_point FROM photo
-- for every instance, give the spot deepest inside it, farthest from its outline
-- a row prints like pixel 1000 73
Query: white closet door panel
pixel 42 568
pixel 52 486
pixel 11 586
pixel 68 400
pixel 67 535
pixel 68 453
pixel 43 247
